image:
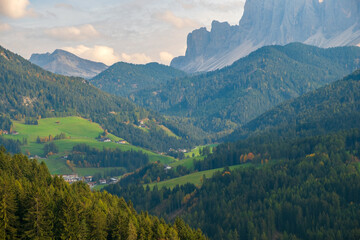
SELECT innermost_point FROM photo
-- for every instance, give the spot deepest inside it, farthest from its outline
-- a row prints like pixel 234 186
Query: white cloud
pixel 223 6
pixel 169 17
pixel 4 27
pixel 186 4
pixel 78 33
pixel 14 8
pixel 64 5
pixel 97 53
pixel 166 57
pixel 138 58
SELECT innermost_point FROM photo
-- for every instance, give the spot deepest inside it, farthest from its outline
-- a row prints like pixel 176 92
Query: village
pixel 89 180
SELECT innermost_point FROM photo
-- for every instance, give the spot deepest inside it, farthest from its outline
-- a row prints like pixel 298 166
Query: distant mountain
pixel 226 98
pixel 331 108
pixel 68 64
pixel 124 79
pixel 325 23
pixel 29 91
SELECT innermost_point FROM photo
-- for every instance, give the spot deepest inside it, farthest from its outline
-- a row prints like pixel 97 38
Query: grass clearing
pixel 196 151
pixel 187 162
pixel 194 178
pixel 169 132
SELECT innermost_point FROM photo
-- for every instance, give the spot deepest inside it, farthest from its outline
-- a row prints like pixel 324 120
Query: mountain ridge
pixel 238 93
pixel 125 79
pixel 68 64
pixel 272 22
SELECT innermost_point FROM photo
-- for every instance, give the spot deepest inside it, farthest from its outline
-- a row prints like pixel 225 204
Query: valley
pixel 107 133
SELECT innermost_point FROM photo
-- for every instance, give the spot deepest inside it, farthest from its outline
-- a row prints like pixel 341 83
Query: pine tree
pixel 7 211
pixel 132 233
pixel 39 218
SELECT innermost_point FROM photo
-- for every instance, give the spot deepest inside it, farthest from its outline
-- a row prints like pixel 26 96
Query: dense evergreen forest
pixel 30 92
pixel 328 109
pixel 36 205
pixel 307 188
pixel 232 96
pixel 5 124
pixel 85 156
pixel 125 79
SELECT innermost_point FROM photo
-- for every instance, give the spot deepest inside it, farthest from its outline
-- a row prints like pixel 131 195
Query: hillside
pixel 29 91
pixel 68 133
pixel 305 188
pixel 68 64
pixel 328 109
pixel 231 97
pixel 36 205
pixel 125 79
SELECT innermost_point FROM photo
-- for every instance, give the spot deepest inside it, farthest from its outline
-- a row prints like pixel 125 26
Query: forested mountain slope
pixel 328 109
pixel 305 188
pixel 29 91
pixel 230 97
pixel 124 79
pixel 35 205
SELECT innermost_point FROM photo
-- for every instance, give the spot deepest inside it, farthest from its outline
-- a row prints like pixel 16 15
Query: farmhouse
pixel 105 140
pixel 88 179
pixel 167 167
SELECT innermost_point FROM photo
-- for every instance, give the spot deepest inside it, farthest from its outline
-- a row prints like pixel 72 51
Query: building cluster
pixel 105 140
pixel 5 132
pixel 179 150
pixel 88 180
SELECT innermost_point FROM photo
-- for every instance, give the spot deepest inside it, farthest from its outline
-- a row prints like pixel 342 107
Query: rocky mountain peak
pixel 323 23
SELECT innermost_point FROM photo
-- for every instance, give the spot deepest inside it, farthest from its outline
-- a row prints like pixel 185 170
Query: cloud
pixel 97 53
pixel 178 22
pixel 64 5
pixel 79 33
pixel 186 4
pixel 166 57
pixel 224 6
pixel 213 5
pixel 138 58
pixel 14 8
pixel 4 27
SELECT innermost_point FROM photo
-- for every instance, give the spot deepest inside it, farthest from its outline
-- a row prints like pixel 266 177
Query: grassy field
pixel 196 151
pixel 187 162
pixel 194 178
pixel 169 132
pixel 79 130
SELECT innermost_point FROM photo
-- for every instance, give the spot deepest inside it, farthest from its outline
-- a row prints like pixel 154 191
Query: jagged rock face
pixel 68 64
pixel 323 23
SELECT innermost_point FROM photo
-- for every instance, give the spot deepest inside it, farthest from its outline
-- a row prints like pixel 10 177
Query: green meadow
pixel 78 130
pixel 187 162
pixel 194 178
pixel 196 151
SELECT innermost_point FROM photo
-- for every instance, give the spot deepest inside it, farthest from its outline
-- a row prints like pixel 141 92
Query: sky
pixel 136 31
